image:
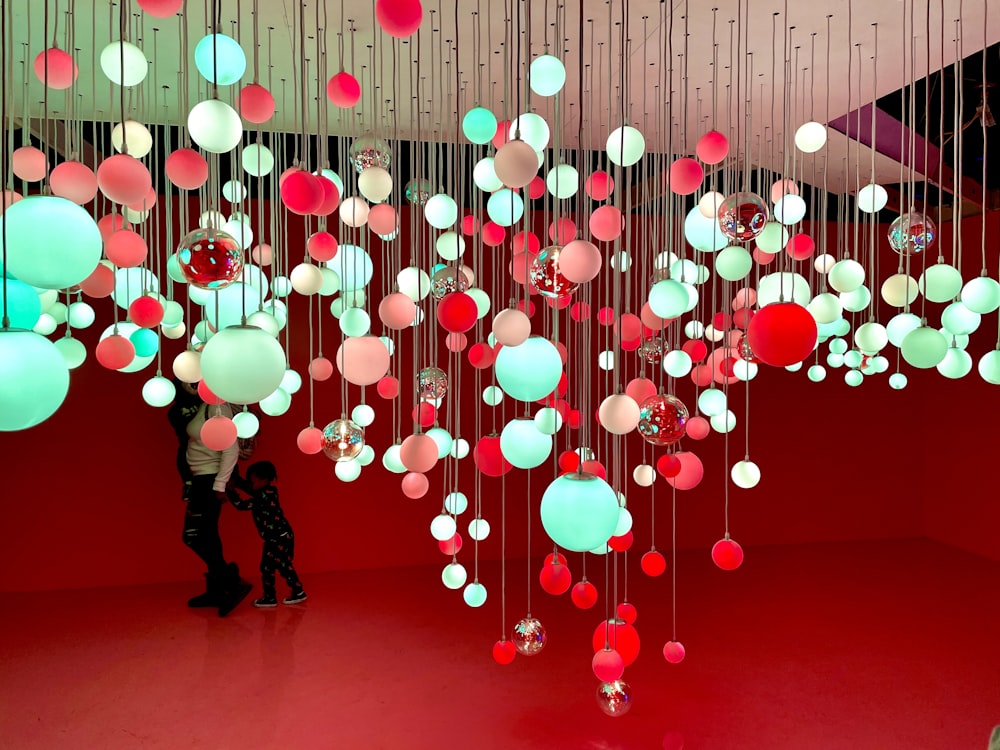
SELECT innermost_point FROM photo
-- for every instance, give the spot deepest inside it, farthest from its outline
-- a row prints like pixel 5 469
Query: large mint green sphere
pixel 220 59
pixel 924 347
pixel 989 367
pixel 981 295
pixel 479 125
pixel 668 298
pixel 703 233
pixel 23 304
pixel 579 511
pixel 900 326
pixel 940 283
pixel 242 364
pixel 523 445
pixel 34 379
pixel 733 263
pixel 957 363
pixel 505 207
pixel 529 371
pixel 52 243
pixel 546 75
pixel 871 337
pixel 441 211
pixel 959 320
pixel 846 275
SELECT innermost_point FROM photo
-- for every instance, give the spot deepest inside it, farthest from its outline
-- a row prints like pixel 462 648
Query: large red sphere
pixel 584 595
pixel 343 90
pixel 56 68
pixel 124 179
pixel 489 458
pixel 620 636
pixel 555 578
pixel 301 192
pixel 187 169
pixel 457 312
pixel 256 103
pixel 782 334
pixel 686 176
pixel 399 18
pixel 504 652
pixel 727 554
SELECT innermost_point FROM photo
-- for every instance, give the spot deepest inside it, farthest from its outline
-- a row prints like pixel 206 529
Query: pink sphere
pixel 697 428
pixel 301 192
pixel 746 297
pixel 218 433
pixel 100 283
pixel 73 181
pixel 599 185
pixel 650 319
pixel 320 369
pixel 263 254
pixel 800 246
pixel 536 188
pixel 207 395
pixel 713 147
pixel 493 234
pixel 502 135
pixel 388 387
pixel 382 219
pixel 639 389
pixel 457 312
pixel 606 223
pixel 397 311
pixel 115 352
pixel 470 225
pixel 363 360
pixel 526 242
pixel 62 70
pixel 456 342
pixel 321 246
pixel 691 472
pixel 515 164
pixel 29 164
pixel 451 546
pixel 414 485
pixel 331 196
pixel 673 651
pixel 256 104
pixel 147 202
pixel 187 169
pixel 727 554
pixel 562 231
pixel 310 440
pixel 343 90
pixel 580 261
pixel 126 249
pixel 161 8
pixel 146 311
pixel 781 188
pixel 608 665
pixel 618 414
pixel 418 453
pixel 399 18
pixel 686 176
pixel 123 179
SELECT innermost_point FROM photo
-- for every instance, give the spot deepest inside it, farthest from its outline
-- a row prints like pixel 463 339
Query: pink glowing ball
pixel 147 202
pixel 457 312
pixel 696 350
pixel 218 433
pixel 489 458
pixel 639 389
pixel 418 452
pixel 562 231
pixel 653 564
pixel 456 342
pixel 100 283
pixel 596 468
pixel 388 387
pixel 713 147
pixel 519 267
pixel 363 360
pixel 414 485
pixel 115 352
pixel 697 428
pixel 321 246
pixel 126 249
pixel 343 90
pixel 781 188
pixel 579 311
pixel 57 68
pixel 301 192
pixel 397 311
pixel 331 196
pixel 742 317
pixel 686 176
pixel 701 375
pixel 515 164
pixel 727 554
pixel 470 225
pixel 502 135
pixel 628 327
pixel 504 652
pixel 207 395
pixel 536 188
pixel 606 223
pixel 691 473
pixel 668 466
pixel 493 234
pixel 617 635
pixel 424 414
pixel 761 257
pixel 73 181
pixel 673 651
pixel 599 185
pixel 320 369
pixel 782 334
pixel 526 242
pixel 584 594
pixel 123 179
pixel 451 546
pixel 745 297
pixel 650 319
pixel 161 8
pixel 580 261
pixel 255 103
pixel 800 246
pixel 399 18
pixel 146 311
pixel 29 164
pixel 310 440
pixel 627 612
pixel 608 665
pixel 606 316
pixel 481 356
pixel 262 254
pixel 555 578
pixel 187 169
pixel 382 219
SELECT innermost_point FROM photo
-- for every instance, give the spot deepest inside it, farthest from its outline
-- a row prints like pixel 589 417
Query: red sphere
pixel 653 564
pixel 536 188
pixel 673 651
pixel 695 349
pixel 555 578
pixel 73 181
pixel 504 652
pixel 100 283
pixel 608 665
pixel 599 185
pixel 451 546
pixel 621 543
pixel 331 199
pixel 782 333
pixel 727 554
pixel 457 312
pixel 310 440
pixel 301 192
pixel 493 234
pixel 800 246
pixel 321 246
pixel 161 8
pixel 620 636
pixel 56 68
pixel 668 466
pixel 256 103
pixel 713 147
pixel 187 169
pixel 488 457
pixel 569 461
pixel 686 176
pixel 388 387
pixel 584 595
pixel 481 355
pixel 206 395
pixel 691 472
pixel 124 179
pixel 146 311
pixel 126 249
pixel 627 612
pixel 115 352
pixel 424 414
pixel 639 389
pixel 343 90
pixel 596 468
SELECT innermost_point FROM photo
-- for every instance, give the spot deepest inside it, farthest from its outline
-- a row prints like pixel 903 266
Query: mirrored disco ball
pixel 745 352
pixel 369 151
pixel 912 233
pixel 662 419
pixel 210 259
pixel 652 350
pixel 547 277
pixel 445 281
pixel 529 636
pixel 343 440
pixel 614 698
pixel 432 382
pixel 743 216
pixel 417 191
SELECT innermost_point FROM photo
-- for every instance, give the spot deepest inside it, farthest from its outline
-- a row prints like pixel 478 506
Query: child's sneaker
pixel 295 597
pixel 266 601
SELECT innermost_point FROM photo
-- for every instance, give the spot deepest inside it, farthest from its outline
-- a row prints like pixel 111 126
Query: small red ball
pixel 584 595
pixel 504 652
pixel 727 554
pixel 653 563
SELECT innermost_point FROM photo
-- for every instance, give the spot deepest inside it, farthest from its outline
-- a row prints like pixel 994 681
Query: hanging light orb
pixel 782 333
pixel 789 209
pixel 242 364
pixel 614 698
pixel 531 371
pixel 34 379
pixel 399 18
pixel 215 126
pixel 479 125
pixel 210 259
pixel 713 147
pixel 981 295
pixel 810 137
pixel 546 75
pixel 257 159
pixel 256 104
pixel 343 440
pixel 579 511
pixel 547 277
pixel 846 275
pixel 187 169
pixel 220 59
pixel 686 176
pixel 523 444
pixel 124 64
pixel 432 383
pixel 872 198
pixel 662 419
pixel 940 282
pixel 343 90
pixel 625 146
pixel 651 350
pixel 529 636
pixel 56 68
pixel 533 130
pixel 912 233
pixel 743 216
pixel 924 347
pixel 369 151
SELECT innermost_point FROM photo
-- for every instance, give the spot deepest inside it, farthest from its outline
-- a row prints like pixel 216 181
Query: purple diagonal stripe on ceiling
pixel 892 138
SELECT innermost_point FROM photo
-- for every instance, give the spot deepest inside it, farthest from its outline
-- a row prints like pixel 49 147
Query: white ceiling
pixel 481 52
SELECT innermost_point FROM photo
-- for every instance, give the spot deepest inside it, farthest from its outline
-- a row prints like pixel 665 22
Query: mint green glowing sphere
pixel 23 305
pixel 899 326
pixel 479 125
pixel 529 371
pixel 355 322
pixel 668 298
pixel 853 378
pixel 441 211
pixel 474 594
pixel 145 341
pixel 772 238
pixel 243 365
pixel 703 232
pixel 546 75
pixel 677 363
pixel 34 379
pixel 817 373
pixel 733 263
pixel 548 420
pixel 563 181
pixel 347 471
pixel 871 337
pixel 158 391
pixel 940 283
pixel 220 55
pixel 456 503
pixel 454 575
pixel 959 320
pixel 579 511
pixel 505 207
pixel 981 295
pixel 443 439
pixel 391 460
pixel 853 358
pixel 838 346
pixel 72 350
pixel 924 347
pixel 897 381
pixel 625 146
pixel 523 445
pixel 957 363
pixel 712 402
pixel 989 367
pixel 846 275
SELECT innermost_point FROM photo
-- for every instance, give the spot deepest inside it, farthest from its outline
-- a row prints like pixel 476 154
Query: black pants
pixel 201 527
pixel 277 556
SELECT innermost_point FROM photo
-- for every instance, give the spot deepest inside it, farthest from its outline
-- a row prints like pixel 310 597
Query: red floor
pixel 866 645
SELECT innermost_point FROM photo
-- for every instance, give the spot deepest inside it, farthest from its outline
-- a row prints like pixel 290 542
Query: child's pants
pixel 277 556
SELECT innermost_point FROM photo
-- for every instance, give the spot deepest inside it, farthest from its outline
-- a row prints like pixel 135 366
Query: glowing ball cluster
pixel 579 511
pixel 242 364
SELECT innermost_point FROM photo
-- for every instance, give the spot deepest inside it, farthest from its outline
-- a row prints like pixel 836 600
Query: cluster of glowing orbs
pixel 579 511
pixel 362 360
pixel 810 137
pixel 67 258
pixel 124 63
pixel 625 146
pixel 34 379
pixel 215 126
pixel 529 371
pixel 399 18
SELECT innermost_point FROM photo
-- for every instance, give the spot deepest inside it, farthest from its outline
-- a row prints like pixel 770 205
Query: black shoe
pixel 211 597
pixel 266 601
pixel 296 597
pixel 233 597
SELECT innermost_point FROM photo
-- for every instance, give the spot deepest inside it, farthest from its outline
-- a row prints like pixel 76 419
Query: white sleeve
pixel 227 462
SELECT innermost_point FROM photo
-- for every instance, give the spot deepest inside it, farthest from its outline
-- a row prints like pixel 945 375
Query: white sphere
pixel 871 337
pixel 872 198
pixel 243 364
pixel 485 176
pixel 479 529
pixel 257 160
pixel 644 475
pixel 899 290
pixel 306 278
pixel 354 212
pixel 158 391
pixel 940 283
pixel 375 184
pixel 810 137
pixel 625 146
pixel 789 209
pixel 824 263
pixel 825 307
pixel 215 126
pixel 981 295
pixel 135 136
pixel 792 287
pixel 846 275
pixel 134 69
pixel 443 527
pixel 745 474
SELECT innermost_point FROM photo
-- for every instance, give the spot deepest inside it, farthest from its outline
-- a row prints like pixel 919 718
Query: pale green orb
pixel 523 445
pixel 989 367
pixel 957 363
pixel 548 420
pixel 546 75
pixel 772 238
pixel 677 363
pixel 940 283
pixel 72 350
pixel 981 295
pixel 34 379
pixel 668 298
pixel 853 358
pixel 816 373
pixel 505 207
pixel 579 511
pixel 924 347
pixel 853 378
pixel 897 381
pixel 563 181
pixel 347 471
pixel 958 319
pixel 355 322
pixel 835 360
pixel 857 299
pixel 479 125
pixel 871 337
pixel 733 263
pixel 492 395
pixel 838 346
pixel 391 460
pixel 899 326
pixel 443 439
pixel 474 594
pixel 846 275
pixel 712 402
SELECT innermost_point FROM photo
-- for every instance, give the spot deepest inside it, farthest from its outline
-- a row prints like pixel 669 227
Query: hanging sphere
pixel 457 312
pixel 515 163
pixel 562 181
pixel 546 274
pixel 981 295
pixel 871 337
pixel 479 125
pixel 810 137
pixel 940 282
pixel 523 445
pixel 343 90
pixel 782 333
pixel 899 326
pixel 546 75
pixel 673 652
pixel 124 63
pixel 34 379
pixel 215 126
pixel 899 290
pixel 528 636
pixel 187 169
pixel 505 207
pixel 924 347
pixel 511 327
pixel 474 594
pixel 220 59
pixel 912 233
pixel 789 209
pixel 533 130
pixel 73 181
pixel 727 554
pixel 614 698
pixel 579 511
pixel 210 259
pixel 713 147
pixel 56 69
pixel 256 104
pixel 989 367
pixel 580 261
pixel 957 363
pixel 662 420
pixel 743 216
pixel 686 176
pixel 399 18
pixel 363 360
pixel 343 440
pixel 242 364
pixel 625 146
pixel 441 211
pixel 530 371
pixel 959 320
pixel 745 474
pixel 872 198
pixel 375 184
pixel 846 275
pixel 124 179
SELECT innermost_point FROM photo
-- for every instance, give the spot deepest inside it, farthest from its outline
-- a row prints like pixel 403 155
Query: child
pixel 274 529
